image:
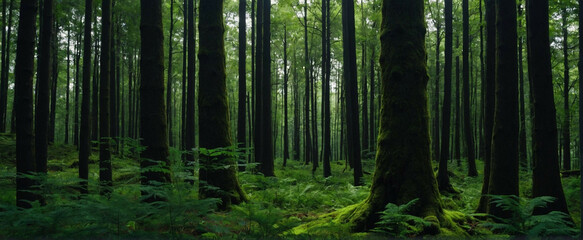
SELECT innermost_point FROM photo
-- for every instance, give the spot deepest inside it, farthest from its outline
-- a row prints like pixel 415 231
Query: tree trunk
pixel 457 136
pixel 3 82
pixel 403 170
pixel 189 138
pixel 85 131
pixel 153 128
pixel 580 65
pixel 241 127
pixel 214 108
pixel 372 112
pixel 67 86
pixel 170 81
pixel 285 97
pixel 25 163
pixel 265 89
pixel 469 138
pixel 504 158
pixel 326 89
pixel 566 87
pixel 95 93
pixel 436 118
pixel 350 83
pixel 546 180
pixel 77 82
pixel 522 155
pixel 443 175
pixel 184 76
pixel 489 99
pixel 308 135
pixel 364 91
pixel 296 97
pixel 105 171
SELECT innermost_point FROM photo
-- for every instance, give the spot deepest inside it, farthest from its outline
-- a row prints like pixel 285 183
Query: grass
pixel 277 204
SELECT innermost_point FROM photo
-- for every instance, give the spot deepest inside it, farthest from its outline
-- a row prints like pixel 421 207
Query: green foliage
pixel 395 221
pixel 524 223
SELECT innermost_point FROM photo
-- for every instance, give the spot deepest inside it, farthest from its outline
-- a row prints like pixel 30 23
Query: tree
pixel 307 137
pixel 285 98
pixel 85 131
pixel 3 69
pixel 67 90
pixel 43 83
pixel 266 148
pixel 443 175
pixel 153 127
pixel 522 156
pixel 326 90
pixel 350 84
pixel 23 72
pixel 403 170
pixel 489 99
pixel 546 179
pixel 105 171
pixel 189 137
pixel 469 138
pixel 566 89
pixel 170 78
pixel 242 111
pixel 215 171
pixel 504 158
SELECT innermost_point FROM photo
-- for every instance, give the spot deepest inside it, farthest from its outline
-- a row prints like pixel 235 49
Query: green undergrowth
pixel 295 204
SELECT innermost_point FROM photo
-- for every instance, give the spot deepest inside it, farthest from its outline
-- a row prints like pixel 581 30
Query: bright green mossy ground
pixel 294 204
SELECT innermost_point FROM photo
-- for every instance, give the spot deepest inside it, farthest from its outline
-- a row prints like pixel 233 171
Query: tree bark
pixel 170 81
pixel 3 82
pixel 350 84
pixel 469 138
pixel 24 71
pixel 189 138
pixel 546 180
pixel 504 162
pixel 403 170
pixel 326 144
pixel 308 135
pixel 214 108
pixel 566 87
pixel 153 127
pixel 285 97
pixel 67 90
pixel 522 155
pixel 85 131
pixel 105 169
pixel 241 109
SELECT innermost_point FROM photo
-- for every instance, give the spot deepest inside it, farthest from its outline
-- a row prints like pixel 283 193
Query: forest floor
pixel 276 204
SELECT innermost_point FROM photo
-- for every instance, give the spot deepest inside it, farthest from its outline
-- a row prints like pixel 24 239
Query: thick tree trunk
pixel 241 109
pixel 153 128
pixel 401 167
pixel 443 175
pixel 546 180
pixel 350 84
pixel 489 99
pixel 265 89
pixel 214 108
pixel 326 144
pixel 105 171
pixel 85 131
pixel 504 158
pixel 25 163
pixel 469 138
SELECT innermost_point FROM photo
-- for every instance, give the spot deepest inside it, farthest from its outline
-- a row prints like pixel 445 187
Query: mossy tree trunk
pixel 403 164
pixel 153 126
pixel 24 71
pixel 351 89
pixel 546 180
pixel 489 99
pixel 85 131
pixel 504 158
pixel 214 109
pixel 105 174
pixel 443 176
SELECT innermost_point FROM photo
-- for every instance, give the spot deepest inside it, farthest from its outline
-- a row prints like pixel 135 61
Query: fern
pixel 524 223
pixel 395 221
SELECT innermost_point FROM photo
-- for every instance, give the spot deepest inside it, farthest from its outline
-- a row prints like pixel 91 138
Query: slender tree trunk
pixel 184 76
pixel 326 89
pixel 443 175
pixel 25 162
pixel 153 128
pixel 285 97
pixel 85 131
pixel 189 138
pixel 364 92
pixel 95 90
pixel 113 80
pixel 67 90
pixel 566 87
pixel 214 108
pixel 265 89
pixel 504 162
pixel 580 65
pixel 522 156
pixel 307 137
pixel 469 138
pixel 3 82
pixel 489 99
pixel 372 112
pixel 4 77
pixel 296 137
pixel 546 179
pixel 350 80
pixel 170 81
pixel 457 136
pixel 77 82
pixel 105 170
pixel 436 97
pixel 481 126
pixel 241 127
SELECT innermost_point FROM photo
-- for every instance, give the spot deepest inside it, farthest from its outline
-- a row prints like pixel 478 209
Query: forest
pixel 291 119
